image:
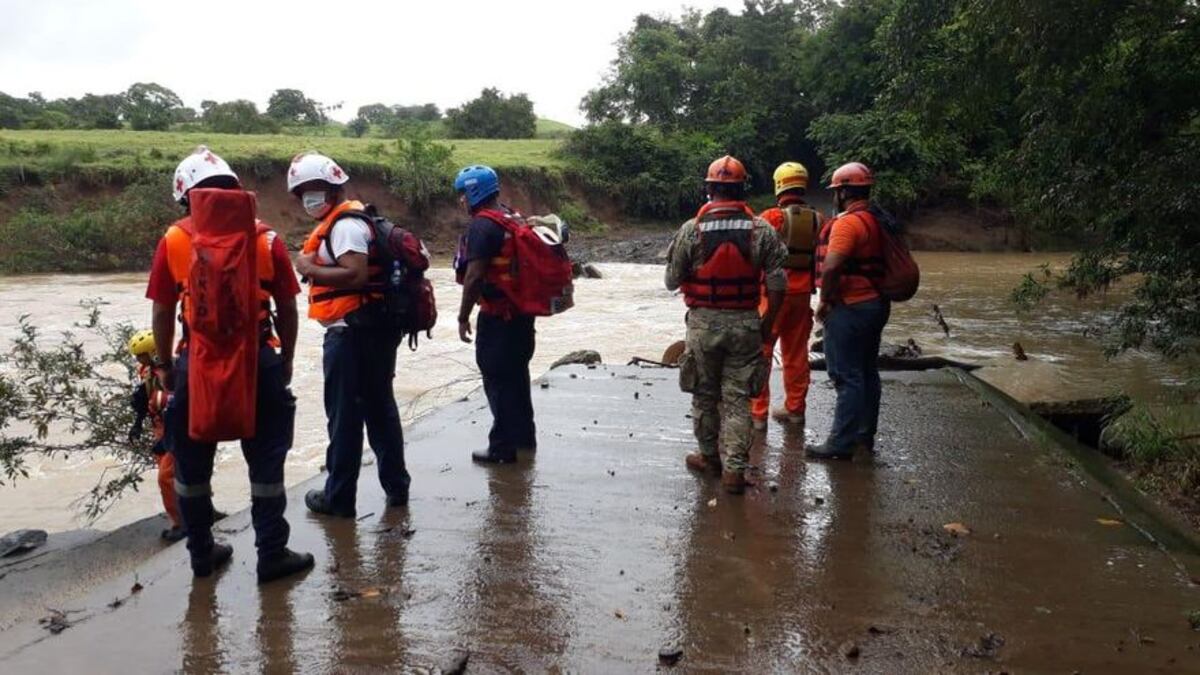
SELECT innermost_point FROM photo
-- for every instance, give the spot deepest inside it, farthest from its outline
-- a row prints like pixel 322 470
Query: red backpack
pixel 537 277
pixel 222 316
pixel 901 276
pixel 408 304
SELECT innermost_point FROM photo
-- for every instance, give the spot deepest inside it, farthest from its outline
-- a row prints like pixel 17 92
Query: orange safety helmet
pixel 854 174
pixel 726 170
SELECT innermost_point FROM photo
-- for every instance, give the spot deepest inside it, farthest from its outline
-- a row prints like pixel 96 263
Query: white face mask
pixel 314 203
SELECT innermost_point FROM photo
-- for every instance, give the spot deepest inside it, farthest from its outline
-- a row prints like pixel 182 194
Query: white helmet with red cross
pixel 201 165
pixel 312 166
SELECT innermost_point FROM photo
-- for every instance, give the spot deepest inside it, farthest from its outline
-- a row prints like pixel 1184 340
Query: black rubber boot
pixel 315 501
pixel 823 451
pixel 174 534
pixel 283 564
pixel 398 500
pixel 204 566
pixel 488 457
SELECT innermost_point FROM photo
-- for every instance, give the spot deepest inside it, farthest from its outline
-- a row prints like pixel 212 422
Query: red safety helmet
pixel 854 174
pixel 726 170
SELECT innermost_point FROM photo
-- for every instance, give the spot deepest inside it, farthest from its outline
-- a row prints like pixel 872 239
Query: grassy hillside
pixel 115 152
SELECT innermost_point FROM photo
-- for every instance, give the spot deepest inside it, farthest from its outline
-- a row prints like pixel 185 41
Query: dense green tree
pixel 150 106
pixel 237 117
pixel 357 127
pixel 291 106
pixel 493 115
pixel 375 113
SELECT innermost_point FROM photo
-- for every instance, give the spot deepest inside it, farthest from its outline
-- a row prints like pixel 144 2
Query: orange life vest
pixel 865 265
pixel 326 303
pixel 727 277
pixel 179 260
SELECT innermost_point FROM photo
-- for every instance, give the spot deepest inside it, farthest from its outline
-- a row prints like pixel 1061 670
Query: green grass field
pixel 61 152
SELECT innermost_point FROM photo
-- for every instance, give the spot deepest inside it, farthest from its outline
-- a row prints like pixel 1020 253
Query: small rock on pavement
pixel 455 662
pixel 585 357
pixel 850 650
pixel 670 655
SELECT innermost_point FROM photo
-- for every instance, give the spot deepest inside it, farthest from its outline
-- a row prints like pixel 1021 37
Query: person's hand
pixel 306 263
pixel 464 329
pixel 287 372
pixel 823 310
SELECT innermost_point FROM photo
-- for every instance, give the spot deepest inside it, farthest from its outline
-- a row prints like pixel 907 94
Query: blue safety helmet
pixel 478 182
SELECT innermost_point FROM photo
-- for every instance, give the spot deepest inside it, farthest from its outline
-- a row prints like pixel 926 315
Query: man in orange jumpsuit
pixel 798 225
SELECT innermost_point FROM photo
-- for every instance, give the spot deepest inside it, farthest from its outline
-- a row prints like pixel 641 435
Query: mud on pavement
pixel 960 546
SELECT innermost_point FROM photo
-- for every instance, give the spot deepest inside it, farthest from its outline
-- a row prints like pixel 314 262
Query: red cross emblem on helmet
pixel 336 171
pixel 210 158
pixel 179 184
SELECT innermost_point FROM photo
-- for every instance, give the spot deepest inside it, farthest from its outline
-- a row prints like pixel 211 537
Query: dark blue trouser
pixel 360 365
pixel 502 352
pixel 852 337
pixel 265 454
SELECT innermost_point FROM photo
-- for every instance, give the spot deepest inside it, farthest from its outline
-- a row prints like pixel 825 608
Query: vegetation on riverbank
pixel 59 400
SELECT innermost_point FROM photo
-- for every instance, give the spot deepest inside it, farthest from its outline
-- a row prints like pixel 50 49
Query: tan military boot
pixel 702 463
pixel 734 482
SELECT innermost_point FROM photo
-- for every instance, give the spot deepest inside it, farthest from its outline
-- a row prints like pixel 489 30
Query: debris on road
pixel 956 529
pixel 343 594
pixel 850 650
pixel 455 663
pixel 670 655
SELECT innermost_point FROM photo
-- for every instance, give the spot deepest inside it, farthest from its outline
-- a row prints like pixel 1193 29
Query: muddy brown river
pixel 626 314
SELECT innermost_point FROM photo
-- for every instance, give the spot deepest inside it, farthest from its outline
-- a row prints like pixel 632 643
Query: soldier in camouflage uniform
pixel 719 259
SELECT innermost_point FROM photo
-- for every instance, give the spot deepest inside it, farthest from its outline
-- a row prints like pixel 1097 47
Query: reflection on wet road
pixel 602 549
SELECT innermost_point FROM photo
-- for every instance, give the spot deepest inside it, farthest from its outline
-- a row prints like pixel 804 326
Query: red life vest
pixel 529 276
pixel 865 266
pixel 727 278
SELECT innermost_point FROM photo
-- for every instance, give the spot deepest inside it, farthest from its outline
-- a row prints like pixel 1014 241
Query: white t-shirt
pixel 350 235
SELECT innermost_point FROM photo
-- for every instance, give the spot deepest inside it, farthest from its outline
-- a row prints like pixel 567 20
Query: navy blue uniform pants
pixel 275 419
pixel 503 349
pixel 360 365
pixel 852 337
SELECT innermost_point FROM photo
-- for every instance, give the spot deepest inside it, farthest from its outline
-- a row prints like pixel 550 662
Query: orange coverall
pixel 793 327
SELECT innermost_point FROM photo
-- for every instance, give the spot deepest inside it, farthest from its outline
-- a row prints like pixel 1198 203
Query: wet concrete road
pixel 603 549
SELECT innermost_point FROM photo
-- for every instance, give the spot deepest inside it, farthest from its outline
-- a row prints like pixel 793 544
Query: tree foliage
pixel 150 107
pixel 237 117
pixel 292 107
pixel 493 115
pixel 60 400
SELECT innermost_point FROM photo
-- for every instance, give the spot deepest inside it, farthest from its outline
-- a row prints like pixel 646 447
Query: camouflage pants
pixel 728 370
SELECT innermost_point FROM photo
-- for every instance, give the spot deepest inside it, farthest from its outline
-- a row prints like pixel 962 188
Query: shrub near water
pixel 102 235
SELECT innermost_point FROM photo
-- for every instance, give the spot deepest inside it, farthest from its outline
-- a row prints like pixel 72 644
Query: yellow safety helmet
pixel 141 343
pixel 790 176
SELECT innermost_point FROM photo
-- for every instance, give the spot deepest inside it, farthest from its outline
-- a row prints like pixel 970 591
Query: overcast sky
pixel 352 51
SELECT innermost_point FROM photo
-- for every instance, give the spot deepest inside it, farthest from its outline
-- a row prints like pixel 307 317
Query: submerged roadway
pixel 601 551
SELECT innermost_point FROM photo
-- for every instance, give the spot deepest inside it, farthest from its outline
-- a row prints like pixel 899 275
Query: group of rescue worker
pixel 746 280
pixel 342 266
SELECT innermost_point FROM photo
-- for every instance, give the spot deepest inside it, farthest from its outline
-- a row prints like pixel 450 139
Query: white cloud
pixel 352 51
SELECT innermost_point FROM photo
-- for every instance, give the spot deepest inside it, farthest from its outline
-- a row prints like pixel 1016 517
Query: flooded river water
pixel 626 314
